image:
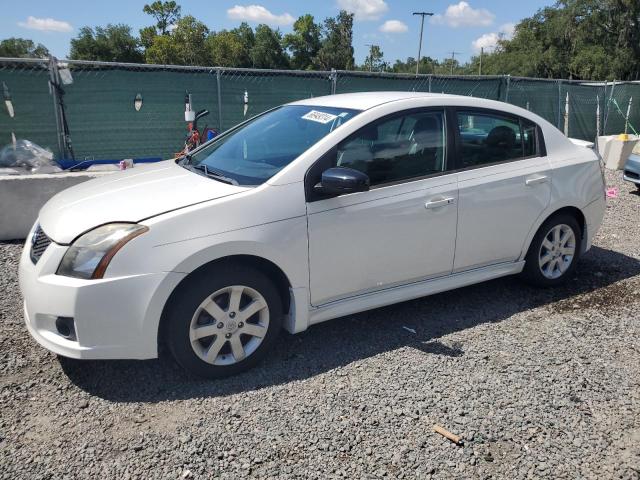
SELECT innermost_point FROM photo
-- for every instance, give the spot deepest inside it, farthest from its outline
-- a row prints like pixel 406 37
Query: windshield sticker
pixel 320 117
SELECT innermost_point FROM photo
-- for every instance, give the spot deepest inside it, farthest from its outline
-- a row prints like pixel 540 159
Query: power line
pixel 422 14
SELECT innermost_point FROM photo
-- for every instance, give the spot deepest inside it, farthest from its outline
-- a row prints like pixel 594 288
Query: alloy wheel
pixel 229 325
pixel 557 251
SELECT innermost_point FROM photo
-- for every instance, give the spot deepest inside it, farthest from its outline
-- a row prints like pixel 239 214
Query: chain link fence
pixel 85 110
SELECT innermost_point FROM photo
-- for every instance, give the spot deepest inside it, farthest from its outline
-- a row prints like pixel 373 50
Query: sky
pixel 456 26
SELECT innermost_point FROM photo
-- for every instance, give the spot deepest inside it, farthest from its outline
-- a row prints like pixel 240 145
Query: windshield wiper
pixel 216 175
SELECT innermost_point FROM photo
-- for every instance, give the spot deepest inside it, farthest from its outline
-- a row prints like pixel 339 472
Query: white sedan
pixel 310 211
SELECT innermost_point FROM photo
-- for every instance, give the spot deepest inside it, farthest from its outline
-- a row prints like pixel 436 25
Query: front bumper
pixel 632 170
pixel 114 318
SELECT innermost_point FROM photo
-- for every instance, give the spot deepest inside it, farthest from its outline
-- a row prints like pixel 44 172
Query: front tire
pixel 223 320
pixel 554 252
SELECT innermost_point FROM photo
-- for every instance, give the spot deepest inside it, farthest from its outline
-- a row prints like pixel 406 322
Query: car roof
pixel 364 100
pixel 367 100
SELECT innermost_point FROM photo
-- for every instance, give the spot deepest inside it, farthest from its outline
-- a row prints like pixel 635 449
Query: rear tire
pixel 554 252
pixel 223 320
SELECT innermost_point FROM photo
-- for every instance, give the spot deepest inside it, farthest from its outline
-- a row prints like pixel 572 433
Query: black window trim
pixel 324 162
pixel 541 150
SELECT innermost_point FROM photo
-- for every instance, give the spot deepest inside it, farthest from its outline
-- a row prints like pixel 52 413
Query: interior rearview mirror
pixel 340 180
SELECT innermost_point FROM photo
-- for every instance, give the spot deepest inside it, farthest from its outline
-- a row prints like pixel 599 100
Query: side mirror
pixel 340 180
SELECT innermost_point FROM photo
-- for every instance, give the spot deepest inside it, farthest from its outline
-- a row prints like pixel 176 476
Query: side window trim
pixel 541 150
pixel 323 162
pixel 453 160
pixel 521 125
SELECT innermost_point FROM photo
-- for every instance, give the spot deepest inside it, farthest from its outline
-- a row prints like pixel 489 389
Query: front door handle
pixel 439 202
pixel 535 180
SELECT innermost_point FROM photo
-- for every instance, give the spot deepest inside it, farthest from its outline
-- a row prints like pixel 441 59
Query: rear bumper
pixel 593 214
pixel 631 179
pixel 114 318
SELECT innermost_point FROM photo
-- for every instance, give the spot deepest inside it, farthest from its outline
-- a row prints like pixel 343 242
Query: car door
pixel 403 229
pixel 504 185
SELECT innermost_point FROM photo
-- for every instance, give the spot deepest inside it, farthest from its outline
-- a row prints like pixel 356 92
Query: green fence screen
pixel 27 86
pixel 103 123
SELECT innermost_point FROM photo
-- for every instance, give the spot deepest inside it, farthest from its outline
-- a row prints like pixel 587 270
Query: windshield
pixel 255 152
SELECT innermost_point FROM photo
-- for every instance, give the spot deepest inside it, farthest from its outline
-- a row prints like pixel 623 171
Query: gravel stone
pixel 539 383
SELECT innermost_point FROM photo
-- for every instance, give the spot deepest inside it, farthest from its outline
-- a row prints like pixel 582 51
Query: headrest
pixel 502 137
pixel 426 132
pixel 369 134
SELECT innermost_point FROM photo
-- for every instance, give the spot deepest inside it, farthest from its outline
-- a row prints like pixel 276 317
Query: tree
pixel 248 40
pixel 226 49
pixel 165 13
pixel 337 45
pixel 147 36
pixel 304 42
pixel 375 60
pixel 267 51
pixel 113 43
pixel 163 51
pixel 190 35
pixel 232 48
pixel 185 45
pixel 22 48
pixel 427 65
pixel 581 39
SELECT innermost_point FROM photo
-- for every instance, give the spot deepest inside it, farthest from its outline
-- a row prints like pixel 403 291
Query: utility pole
pixel 422 14
pixel 481 53
pixel 453 59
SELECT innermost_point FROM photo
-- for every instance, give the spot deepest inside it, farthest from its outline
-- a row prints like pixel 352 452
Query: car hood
pixel 130 196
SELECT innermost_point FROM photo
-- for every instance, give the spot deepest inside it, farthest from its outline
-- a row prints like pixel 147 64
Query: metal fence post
pixel 559 121
pixel 218 73
pixel 606 111
pixel 626 118
pixel 566 116
pixel 506 93
pixel 334 80
pixel 598 114
pixel 430 77
pixel 53 81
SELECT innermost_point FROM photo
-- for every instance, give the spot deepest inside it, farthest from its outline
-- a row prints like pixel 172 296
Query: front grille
pixel 39 243
pixel 632 174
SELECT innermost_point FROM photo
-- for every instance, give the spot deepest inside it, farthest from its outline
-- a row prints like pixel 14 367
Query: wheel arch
pixel 572 210
pixel 268 267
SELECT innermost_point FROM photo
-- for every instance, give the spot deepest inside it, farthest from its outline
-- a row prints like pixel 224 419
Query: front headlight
pixel 89 255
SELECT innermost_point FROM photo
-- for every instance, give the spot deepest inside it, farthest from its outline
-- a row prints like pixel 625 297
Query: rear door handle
pixel 535 180
pixel 440 202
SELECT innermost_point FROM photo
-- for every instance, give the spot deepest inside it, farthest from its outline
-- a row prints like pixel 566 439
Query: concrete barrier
pixel 615 149
pixel 22 197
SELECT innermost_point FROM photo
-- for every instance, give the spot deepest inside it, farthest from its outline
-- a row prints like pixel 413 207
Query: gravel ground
pixel 540 384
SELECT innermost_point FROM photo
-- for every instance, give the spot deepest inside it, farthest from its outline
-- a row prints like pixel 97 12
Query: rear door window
pixel 488 138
